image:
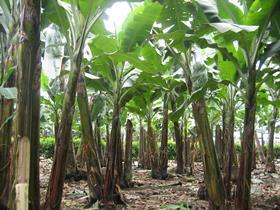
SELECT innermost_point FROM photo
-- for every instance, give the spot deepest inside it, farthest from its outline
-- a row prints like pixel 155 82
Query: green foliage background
pixel 47 148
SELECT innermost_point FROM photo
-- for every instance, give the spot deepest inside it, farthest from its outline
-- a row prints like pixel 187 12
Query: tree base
pixel 117 199
pixel 202 193
pixel 270 168
pixel 161 177
pixel 91 202
pixel 76 176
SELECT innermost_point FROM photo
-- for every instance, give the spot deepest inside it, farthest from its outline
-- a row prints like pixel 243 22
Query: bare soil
pixel 181 190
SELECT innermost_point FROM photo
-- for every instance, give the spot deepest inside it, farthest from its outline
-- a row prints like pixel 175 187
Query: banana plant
pixel 119 81
pixel 145 105
pixel 172 84
pixel 171 87
pixel 181 23
pixel 226 99
pixel 274 93
pixel 55 64
pixel 116 62
pixel 249 28
pixel 8 35
pixel 119 88
pixel 28 107
pixel 263 110
pixel 89 144
pixel 75 20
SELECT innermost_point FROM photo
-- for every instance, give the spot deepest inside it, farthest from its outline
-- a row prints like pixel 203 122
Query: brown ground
pixel 149 193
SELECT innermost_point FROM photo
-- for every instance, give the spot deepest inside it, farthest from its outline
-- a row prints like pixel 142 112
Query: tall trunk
pixel 71 163
pixel 244 180
pixel 260 148
pixel 163 160
pixel 270 166
pixel 119 156
pixel 213 176
pixel 254 157
pixel 34 184
pixel 229 145
pixel 219 144
pixel 28 104
pixel 147 151
pixel 127 176
pixel 90 154
pixel 141 146
pixel 193 152
pixel 187 151
pixel 56 126
pixel 178 140
pixel 107 149
pixel 153 150
pixel 55 188
pixel 110 179
pixel 188 159
pixel 78 156
pixel 222 145
pixel 97 136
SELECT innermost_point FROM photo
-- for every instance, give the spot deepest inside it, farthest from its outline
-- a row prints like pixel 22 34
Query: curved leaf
pixel 138 25
pixel 227 69
pixel 230 11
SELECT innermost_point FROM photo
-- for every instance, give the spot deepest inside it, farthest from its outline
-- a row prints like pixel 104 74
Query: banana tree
pixel 131 107
pixel 273 90
pixel 79 17
pixel 116 62
pixel 227 99
pixel 119 87
pixel 227 102
pixel 160 163
pixel 100 116
pixel 145 105
pixel 270 77
pixel 95 179
pixel 172 87
pixel 175 86
pixel 197 81
pixel 127 175
pixel 28 107
pixel 255 19
pixel 263 110
pixel 8 36
pixel 178 139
